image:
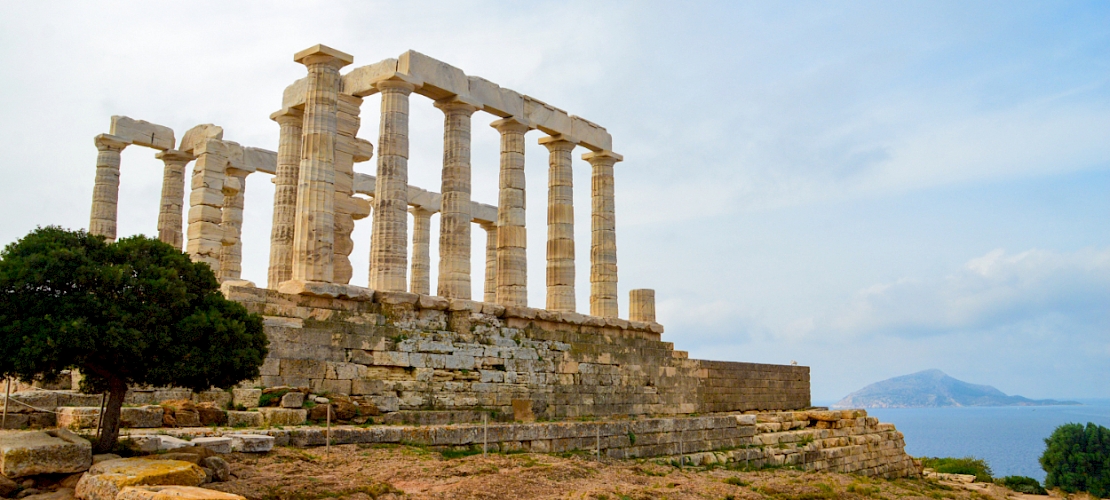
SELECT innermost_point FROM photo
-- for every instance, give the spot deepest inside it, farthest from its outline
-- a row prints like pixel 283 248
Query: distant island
pixel 934 388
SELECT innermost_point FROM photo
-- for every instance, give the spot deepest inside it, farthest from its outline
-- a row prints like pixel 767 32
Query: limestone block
pixel 292 400
pixel 439 78
pixel 55 451
pixel 489 95
pixel 245 419
pixel 432 302
pixel 142 417
pixel 216 444
pixel 590 134
pixel 31 401
pixel 174 493
pixel 548 118
pixel 259 160
pixel 104 480
pixel 198 135
pixel 142 133
pixel 277 417
pixel 360 81
pixel 251 443
pixel 328 290
pixel 73 417
pixel 246 398
pixel 396 297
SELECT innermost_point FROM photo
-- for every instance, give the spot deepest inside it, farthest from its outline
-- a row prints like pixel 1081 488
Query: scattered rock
pixel 219 466
pixel 215 444
pixel 103 457
pixel 276 417
pixel 105 480
pixel 60 494
pixel 251 443
pixel 27 492
pixel 292 400
pixel 7 486
pixel 244 419
pixel 174 493
pixel 209 414
pixel 168 419
pixel 141 417
pixel 55 451
pixel 71 480
pixel 343 410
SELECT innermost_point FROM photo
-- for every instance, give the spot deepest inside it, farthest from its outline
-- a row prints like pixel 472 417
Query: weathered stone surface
pixel 174 493
pixel 142 417
pixel 59 494
pixel 31 401
pixel 244 419
pixel 26 453
pixel 327 290
pixel 251 443
pixel 247 398
pixel 216 444
pixel 74 417
pixel 7 486
pixel 292 400
pixel 219 466
pixel 104 480
pixel 276 417
pixel 211 415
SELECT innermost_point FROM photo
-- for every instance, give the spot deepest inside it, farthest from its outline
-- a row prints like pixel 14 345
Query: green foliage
pixel 133 312
pixel 1022 484
pixel 1077 458
pixel 272 398
pixel 967 465
pixel 736 481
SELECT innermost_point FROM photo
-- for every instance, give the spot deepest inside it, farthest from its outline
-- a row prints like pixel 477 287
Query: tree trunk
pixel 109 434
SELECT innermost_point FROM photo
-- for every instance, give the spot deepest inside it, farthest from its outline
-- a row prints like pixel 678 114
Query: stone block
pixel 245 419
pixel 74 417
pixel 141 417
pixel 303 368
pixel 247 398
pixel 216 444
pixel 174 493
pixel 104 480
pixel 326 290
pixel 73 398
pixel 251 443
pixel 292 400
pixel 278 417
pixel 55 451
pixel 439 78
pixel 142 133
pixel 31 401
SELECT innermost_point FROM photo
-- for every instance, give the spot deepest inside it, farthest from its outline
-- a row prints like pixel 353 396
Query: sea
pixel 1009 438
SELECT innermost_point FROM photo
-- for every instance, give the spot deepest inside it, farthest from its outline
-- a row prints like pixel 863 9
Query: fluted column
pixel 285 196
pixel 170 227
pixel 512 237
pixel 454 214
pixel 560 225
pixel 421 251
pixel 388 239
pixel 102 220
pixel 490 288
pixel 603 235
pixel 231 256
pixel 314 236
pixel 641 305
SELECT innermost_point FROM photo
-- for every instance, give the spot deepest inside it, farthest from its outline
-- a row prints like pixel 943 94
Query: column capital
pixel 420 211
pixel 397 85
pixel 173 155
pixel 558 142
pixel 323 54
pixel 458 104
pixel 511 125
pixel 108 142
pixel 602 157
pixel 488 225
pixel 288 116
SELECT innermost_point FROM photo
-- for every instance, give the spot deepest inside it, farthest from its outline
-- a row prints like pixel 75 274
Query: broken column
pixel 102 220
pixel 641 305
pixel 285 196
pixel 173 196
pixel 347 125
pixel 603 235
pixel 490 288
pixel 512 260
pixel 388 239
pixel 231 255
pixel 560 225
pixel 314 235
pixel 454 214
pixel 206 200
pixel 421 252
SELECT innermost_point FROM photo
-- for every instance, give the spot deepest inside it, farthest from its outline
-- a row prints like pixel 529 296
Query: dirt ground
pixel 394 472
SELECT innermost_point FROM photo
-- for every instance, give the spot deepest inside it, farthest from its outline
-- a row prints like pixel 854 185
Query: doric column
pixel 170 228
pixel 388 238
pixel 560 225
pixel 206 201
pixel 603 235
pixel 345 203
pixel 512 237
pixel 421 251
pixel 454 214
pixel 102 220
pixel 490 289
pixel 314 235
pixel 285 196
pixel 641 305
pixel 231 257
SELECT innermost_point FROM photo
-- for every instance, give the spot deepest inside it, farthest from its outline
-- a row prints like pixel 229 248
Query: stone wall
pixel 416 352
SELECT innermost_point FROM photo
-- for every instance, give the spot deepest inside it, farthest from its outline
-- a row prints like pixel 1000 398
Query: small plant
pixel 735 481
pixel 967 465
pixel 1022 484
pixel 632 438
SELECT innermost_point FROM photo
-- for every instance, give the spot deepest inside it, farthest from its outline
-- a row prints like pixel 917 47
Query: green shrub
pixel 1022 484
pixel 967 465
pixel 1077 458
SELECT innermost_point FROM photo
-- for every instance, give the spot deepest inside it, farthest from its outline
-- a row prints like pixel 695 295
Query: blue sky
pixel 868 188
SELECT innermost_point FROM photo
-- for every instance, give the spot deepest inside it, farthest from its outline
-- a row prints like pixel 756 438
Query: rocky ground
pixel 389 471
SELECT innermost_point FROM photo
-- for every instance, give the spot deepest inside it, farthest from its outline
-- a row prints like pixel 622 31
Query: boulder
pixel 209 414
pixel 141 417
pixel 220 468
pixel 7 486
pixel 343 409
pixel 55 451
pixel 244 419
pixel 251 443
pixel 174 493
pixel 275 417
pixel 104 457
pixel 59 494
pixel 292 400
pixel 168 419
pixel 151 443
pixel 215 444
pixel 173 455
pixel 105 480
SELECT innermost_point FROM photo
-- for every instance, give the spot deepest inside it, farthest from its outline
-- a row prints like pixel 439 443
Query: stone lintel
pixel 602 154
pixel 320 50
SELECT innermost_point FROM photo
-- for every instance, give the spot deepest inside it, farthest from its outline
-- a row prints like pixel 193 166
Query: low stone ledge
pixel 326 290
pixel 56 451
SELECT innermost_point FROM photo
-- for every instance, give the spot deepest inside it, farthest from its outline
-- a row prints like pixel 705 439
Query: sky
pixel 867 188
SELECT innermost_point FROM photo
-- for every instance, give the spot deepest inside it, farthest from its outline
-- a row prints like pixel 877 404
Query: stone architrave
pixel 490 288
pixel 560 225
pixel 641 305
pixel 454 214
pixel 285 196
pixel 206 200
pixel 603 235
pixel 421 252
pixel 389 236
pixel 512 260
pixel 170 228
pixel 102 220
pixel 314 234
pixel 231 255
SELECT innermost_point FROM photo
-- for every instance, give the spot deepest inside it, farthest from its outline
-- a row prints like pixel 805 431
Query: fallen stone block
pixel 244 419
pixel 141 417
pixel 220 469
pixel 104 480
pixel 78 417
pixel 251 443
pixel 216 444
pixel 56 451
pixel 211 415
pixel 151 443
pixel 275 417
pixel 247 398
pixel 174 493
pixel 292 400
